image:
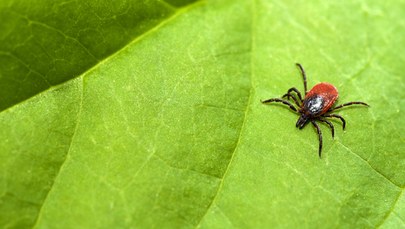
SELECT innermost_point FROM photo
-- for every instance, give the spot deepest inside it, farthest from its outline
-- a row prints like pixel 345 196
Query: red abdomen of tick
pixel 319 99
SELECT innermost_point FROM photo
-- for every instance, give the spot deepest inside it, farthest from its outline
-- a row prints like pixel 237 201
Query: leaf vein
pixel 26 66
pixel 368 163
pixel 391 209
pixel 34 22
pixel 242 129
pixel 40 213
pixel 133 41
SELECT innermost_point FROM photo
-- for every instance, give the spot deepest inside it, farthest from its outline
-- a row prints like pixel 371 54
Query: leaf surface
pixel 43 44
pixel 166 129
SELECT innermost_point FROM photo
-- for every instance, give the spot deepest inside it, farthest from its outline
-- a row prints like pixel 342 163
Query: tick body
pixel 317 105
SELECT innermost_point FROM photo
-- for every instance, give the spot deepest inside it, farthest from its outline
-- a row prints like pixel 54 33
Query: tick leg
pixel 303 76
pixel 288 95
pixel 330 125
pixel 280 101
pixel 293 97
pixel 336 116
pixel 347 104
pixel 320 136
pixel 293 89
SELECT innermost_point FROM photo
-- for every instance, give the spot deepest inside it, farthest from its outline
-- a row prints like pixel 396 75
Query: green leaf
pixel 43 44
pixel 164 126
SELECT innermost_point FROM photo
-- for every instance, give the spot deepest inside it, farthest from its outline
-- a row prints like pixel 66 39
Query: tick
pixel 317 105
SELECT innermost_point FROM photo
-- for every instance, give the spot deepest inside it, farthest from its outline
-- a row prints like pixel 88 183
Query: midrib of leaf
pixel 242 130
pixel 134 41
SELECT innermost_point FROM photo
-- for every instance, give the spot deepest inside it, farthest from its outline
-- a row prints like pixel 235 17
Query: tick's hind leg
pixel 330 125
pixel 347 104
pixel 280 101
pixel 320 136
pixel 304 77
pixel 336 116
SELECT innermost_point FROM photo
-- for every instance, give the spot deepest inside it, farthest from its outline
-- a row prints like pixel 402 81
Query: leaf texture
pixel 159 124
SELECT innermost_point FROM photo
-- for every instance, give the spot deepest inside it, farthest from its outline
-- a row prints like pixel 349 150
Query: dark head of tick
pixel 317 105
